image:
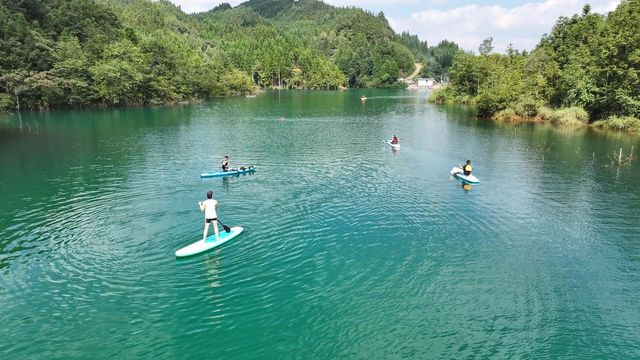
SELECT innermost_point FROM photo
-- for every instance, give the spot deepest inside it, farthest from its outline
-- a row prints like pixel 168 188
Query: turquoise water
pixel 350 249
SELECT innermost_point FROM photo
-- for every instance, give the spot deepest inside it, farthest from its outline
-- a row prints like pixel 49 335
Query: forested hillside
pixel 77 53
pixel 586 68
pixel 437 59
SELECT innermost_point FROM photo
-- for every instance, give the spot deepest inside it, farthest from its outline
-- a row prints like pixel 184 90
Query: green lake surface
pixel 351 250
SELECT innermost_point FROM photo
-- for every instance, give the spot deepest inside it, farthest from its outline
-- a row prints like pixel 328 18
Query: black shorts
pixel 210 220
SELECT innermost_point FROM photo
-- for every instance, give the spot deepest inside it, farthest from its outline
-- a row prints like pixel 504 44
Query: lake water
pixel 350 250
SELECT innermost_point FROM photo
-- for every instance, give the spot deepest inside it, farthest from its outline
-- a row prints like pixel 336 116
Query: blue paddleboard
pixel 249 169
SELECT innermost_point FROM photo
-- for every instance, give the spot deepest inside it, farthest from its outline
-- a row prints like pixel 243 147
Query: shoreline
pixel 516 113
pixel 253 93
pixel 599 125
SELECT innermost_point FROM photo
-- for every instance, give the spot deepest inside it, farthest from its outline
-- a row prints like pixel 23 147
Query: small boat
pixel 395 146
pixel 457 172
pixel 231 172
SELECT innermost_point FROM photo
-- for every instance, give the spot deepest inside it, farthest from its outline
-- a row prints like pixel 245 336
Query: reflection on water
pixel 212 266
pixel 225 184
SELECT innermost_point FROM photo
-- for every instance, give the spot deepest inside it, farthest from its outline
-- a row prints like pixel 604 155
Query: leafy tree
pixel 71 66
pixel 118 77
pixel 121 52
pixel 236 82
pixel 439 60
pixel 588 61
pixel 486 47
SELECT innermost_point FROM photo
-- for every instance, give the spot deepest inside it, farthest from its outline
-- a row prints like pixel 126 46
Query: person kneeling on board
pixel 394 139
pixel 210 215
pixel 467 168
pixel 225 163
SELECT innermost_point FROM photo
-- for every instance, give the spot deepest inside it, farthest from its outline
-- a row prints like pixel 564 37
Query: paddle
pixel 225 227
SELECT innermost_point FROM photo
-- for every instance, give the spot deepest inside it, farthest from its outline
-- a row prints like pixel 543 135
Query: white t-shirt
pixel 209 208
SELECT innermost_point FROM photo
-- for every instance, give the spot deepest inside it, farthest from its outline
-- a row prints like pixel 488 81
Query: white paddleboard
pixel 457 172
pixel 395 146
pixel 211 242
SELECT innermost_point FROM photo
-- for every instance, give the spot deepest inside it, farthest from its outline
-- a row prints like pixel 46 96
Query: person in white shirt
pixel 210 215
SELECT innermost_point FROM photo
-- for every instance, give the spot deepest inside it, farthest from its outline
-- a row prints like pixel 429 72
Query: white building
pixel 424 82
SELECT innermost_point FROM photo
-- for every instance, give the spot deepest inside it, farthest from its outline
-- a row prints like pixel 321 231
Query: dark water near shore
pixel 350 249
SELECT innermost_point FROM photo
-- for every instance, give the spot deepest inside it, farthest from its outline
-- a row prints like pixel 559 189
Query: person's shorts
pixel 210 220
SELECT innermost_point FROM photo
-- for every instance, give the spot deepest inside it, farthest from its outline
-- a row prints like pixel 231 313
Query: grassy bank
pixel 527 110
pixel 620 123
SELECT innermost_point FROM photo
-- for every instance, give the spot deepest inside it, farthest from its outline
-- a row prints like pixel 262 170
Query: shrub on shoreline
pixel 526 109
pixel 442 96
pixel 6 103
pixel 570 116
pixel 620 123
pixel 545 113
pixel 530 111
pixel 447 95
pixel 508 114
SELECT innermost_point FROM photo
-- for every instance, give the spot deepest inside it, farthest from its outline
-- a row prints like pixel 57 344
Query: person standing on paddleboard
pixel 225 163
pixel 210 215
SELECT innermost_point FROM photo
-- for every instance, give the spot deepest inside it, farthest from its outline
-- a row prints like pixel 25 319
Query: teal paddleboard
pixel 211 242
pixel 457 172
pixel 249 169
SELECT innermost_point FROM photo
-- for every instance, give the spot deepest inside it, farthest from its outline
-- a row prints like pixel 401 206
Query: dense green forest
pixel 587 68
pixel 437 59
pixel 56 53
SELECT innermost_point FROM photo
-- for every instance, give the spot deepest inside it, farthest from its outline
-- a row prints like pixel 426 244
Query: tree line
pixel 57 53
pixel 587 68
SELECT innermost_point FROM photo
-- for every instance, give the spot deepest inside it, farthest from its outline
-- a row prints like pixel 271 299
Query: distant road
pixel 416 72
